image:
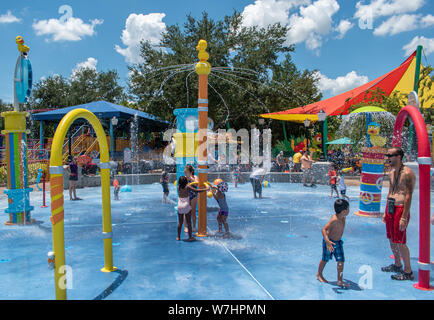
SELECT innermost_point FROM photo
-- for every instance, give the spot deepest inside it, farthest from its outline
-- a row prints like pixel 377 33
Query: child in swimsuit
pixel 184 208
pixel 332 244
pixel 117 188
pixel 342 186
pixel 333 177
pixel 192 195
pixel 219 196
pixel 237 176
pixel 164 180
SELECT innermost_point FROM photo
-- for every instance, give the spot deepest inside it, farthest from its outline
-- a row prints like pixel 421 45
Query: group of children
pixel 337 180
pixel 187 201
pixel 332 243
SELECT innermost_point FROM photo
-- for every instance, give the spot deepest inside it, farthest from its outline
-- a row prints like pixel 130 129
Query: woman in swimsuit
pixel 184 208
pixel 189 174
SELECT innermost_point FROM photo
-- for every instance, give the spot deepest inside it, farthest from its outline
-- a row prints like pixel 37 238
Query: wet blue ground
pixel 276 254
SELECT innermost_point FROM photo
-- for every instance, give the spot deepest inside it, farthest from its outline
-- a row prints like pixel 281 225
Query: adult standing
pixel 296 160
pixel 72 169
pixel 256 178
pixel 280 161
pixel 306 167
pixel 397 216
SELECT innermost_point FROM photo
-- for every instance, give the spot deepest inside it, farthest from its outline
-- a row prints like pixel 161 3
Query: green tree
pixel 84 86
pixel 87 85
pixel 425 84
pixel 52 92
pixel 252 72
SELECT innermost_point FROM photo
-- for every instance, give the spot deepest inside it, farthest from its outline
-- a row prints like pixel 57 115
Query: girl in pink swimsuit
pixel 184 208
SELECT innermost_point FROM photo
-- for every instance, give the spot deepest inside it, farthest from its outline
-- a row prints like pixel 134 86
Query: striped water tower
pixel 371 181
pixel 185 139
pixel 17 190
pixel 15 133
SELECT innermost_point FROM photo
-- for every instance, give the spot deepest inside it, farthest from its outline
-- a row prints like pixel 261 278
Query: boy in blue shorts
pixel 220 197
pixel 332 245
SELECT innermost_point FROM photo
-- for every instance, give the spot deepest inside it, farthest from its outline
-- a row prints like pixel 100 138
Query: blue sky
pixel 348 42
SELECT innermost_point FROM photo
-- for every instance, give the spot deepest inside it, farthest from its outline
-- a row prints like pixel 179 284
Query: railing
pixel 32 172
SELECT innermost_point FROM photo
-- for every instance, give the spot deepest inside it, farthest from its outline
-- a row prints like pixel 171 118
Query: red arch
pixel 424 160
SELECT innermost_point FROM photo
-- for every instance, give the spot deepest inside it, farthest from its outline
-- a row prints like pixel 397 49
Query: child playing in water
pixel 236 174
pixel 333 177
pixel 332 245
pixel 341 185
pixel 164 180
pixel 184 207
pixel 117 188
pixel 189 174
pixel 219 196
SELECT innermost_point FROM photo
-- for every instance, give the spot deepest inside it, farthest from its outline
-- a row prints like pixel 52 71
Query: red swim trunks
pixel 392 225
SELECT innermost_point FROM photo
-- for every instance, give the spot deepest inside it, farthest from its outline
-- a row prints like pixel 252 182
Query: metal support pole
pixel 43 190
pixel 41 138
pixel 111 140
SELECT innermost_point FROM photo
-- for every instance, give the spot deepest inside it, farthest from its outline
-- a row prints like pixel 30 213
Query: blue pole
pixel 41 137
pixel 368 120
pixel 111 140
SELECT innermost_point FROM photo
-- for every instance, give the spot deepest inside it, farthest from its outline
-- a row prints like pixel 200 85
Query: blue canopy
pixel 104 110
pixel 341 141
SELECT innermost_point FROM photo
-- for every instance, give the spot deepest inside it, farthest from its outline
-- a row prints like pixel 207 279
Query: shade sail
pixel 341 141
pixel 369 109
pixel 104 110
pixel 399 79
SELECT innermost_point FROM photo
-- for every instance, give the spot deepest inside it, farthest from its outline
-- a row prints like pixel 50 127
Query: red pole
pixel 43 190
pixel 424 160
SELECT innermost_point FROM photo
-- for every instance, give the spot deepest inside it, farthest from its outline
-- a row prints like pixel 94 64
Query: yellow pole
pixel 56 174
pixel 203 69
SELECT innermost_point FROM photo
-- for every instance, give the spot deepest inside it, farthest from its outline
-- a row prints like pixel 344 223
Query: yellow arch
pixel 57 213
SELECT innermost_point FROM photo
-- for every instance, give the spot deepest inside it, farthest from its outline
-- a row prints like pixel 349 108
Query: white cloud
pixel 309 25
pixel 73 29
pixel 381 8
pixel 313 22
pixel 140 27
pixel 397 24
pixel 8 18
pixel 427 21
pixel 343 28
pixel 403 23
pixel 340 84
pixel 427 43
pixel 90 63
pixel 265 12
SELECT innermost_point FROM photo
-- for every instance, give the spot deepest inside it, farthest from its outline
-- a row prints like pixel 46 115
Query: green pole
pixel 416 89
pixel 417 71
pixel 284 131
pixel 324 139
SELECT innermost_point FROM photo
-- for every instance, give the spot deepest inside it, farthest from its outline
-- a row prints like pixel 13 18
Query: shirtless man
pixel 397 215
pixel 332 243
pixel 306 167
